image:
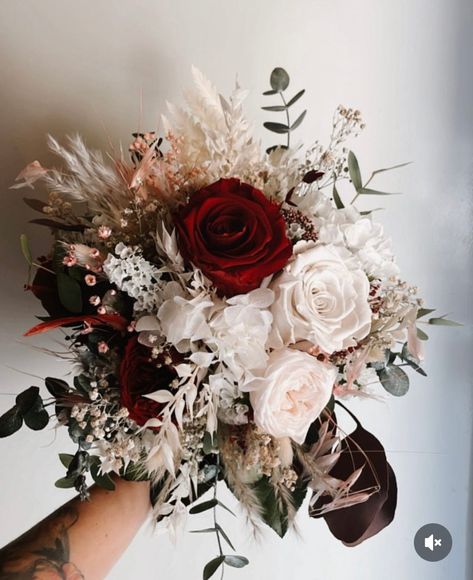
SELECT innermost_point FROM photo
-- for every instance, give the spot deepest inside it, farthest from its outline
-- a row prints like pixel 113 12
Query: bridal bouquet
pixel 221 303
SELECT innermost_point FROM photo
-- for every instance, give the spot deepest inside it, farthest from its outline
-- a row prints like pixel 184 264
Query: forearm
pixel 80 539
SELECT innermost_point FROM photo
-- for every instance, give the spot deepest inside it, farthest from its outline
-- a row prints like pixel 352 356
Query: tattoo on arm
pixel 43 552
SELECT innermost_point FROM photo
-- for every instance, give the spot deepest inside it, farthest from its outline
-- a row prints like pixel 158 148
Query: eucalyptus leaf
pixel 70 293
pixel 35 204
pixel 279 79
pixel 298 121
pixel 336 198
pixel 212 566
pixel 28 400
pixel 25 249
pixel 271 92
pixel 65 459
pixel 236 561
pixel 10 422
pixel 370 211
pixel 421 335
pixel 78 464
pixel 424 312
pixel 441 321
pixel 224 536
pixel 295 98
pixel 276 127
pixel 222 505
pixel 204 531
pixel 36 419
pixel 394 380
pixel 275 108
pixel 411 361
pixel 389 168
pixel 64 483
pixel 204 506
pixel 57 387
pixel 369 191
pixel 354 171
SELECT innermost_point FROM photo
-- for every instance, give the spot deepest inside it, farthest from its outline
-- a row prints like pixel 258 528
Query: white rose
pixel 320 296
pixel 293 391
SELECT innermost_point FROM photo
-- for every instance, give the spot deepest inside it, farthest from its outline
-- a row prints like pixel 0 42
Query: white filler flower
pixel 322 297
pixel 293 391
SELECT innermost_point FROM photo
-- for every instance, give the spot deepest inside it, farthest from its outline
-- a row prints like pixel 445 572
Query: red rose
pixel 140 375
pixel 234 234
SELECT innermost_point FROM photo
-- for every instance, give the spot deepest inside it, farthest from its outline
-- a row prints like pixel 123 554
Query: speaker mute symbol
pixel 433 542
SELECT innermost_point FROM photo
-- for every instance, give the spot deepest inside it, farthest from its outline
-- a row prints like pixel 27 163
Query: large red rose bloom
pixel 234 234
pixel 140 376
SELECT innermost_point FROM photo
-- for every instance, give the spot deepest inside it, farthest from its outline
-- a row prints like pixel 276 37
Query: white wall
pixel 81 66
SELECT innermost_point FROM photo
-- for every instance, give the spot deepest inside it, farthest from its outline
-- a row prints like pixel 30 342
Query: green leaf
pixel 389 169
pixel 25 249
pixel 101 479
pixel 65 459
pixel 421 335
pixel 276 127
pixel 204 506
pixel 298 121
pixel 394 380
pixel 279 79
pixel 207 443
pixel 70 293
pixel 222 505
pixel 271 92
pixel 78 464
pixel 442 321
pixel 354 171
pixel 369 191
pixel 28 400
pixel 10 422
pixel 82 384
pixel 295 98
pixel 64 483
pixel 57 387
pixel 336 198
pixel 35 204
pixel 204 531
pixel 424 311
pixel 275 108
pixel 212 566
pixel 272 514
pixel 370 211
pixel 224 536
pixel 411 361
pixel 36 419
pixel 236 561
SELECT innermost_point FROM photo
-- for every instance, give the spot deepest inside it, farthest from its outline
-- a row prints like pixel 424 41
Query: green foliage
pixel 70 293
pixel 29 409
pixel 279 81
pixel 394 380
pixel 10 422
pixel 355 177
pixel 25 249
pixel 212 566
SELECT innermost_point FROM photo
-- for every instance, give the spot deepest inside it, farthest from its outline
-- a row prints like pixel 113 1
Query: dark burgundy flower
pixel 139 376
pixel 234 234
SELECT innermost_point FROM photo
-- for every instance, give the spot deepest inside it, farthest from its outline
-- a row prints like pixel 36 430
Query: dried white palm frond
pixel 87 178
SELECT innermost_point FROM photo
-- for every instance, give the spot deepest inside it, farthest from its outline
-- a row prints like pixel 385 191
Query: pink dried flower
pixel 90 280
pixel 69 260
pixel 104 232
pixel 94 300
pixel 103 347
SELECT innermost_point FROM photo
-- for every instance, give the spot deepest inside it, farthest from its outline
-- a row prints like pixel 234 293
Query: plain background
pixel 81 66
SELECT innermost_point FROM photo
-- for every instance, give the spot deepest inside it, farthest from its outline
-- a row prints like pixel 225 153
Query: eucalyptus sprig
pixel 279 81
pixel 222 559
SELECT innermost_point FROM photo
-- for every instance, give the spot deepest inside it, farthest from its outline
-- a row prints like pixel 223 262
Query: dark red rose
pixel 139 376
pixel 234 234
